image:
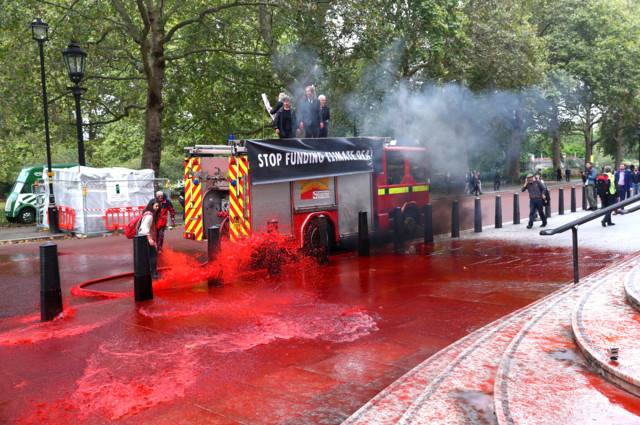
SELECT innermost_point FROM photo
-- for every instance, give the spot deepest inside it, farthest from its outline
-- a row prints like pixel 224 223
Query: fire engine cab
pixel 250 185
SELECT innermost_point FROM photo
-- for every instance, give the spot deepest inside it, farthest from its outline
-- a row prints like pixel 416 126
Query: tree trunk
pixel 463 155
pixel 555 138
pixel 618 138
pixel 588 142
pixel 154 70
pixel 152 150
pixel 513 149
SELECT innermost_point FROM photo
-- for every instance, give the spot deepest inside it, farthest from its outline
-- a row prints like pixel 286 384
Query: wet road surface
pixel 310 345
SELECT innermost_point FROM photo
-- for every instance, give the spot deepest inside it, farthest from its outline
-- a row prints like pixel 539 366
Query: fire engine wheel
pixel 27 216
pixel 313 239
pixel 410 221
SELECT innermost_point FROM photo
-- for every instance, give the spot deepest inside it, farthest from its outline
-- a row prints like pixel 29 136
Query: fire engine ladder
pixel 200 150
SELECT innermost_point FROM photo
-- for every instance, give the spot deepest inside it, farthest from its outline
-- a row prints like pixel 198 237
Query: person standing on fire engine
pixel 325 113
pixel 147 227
pixel 278 106
pixel 166 207
pixel 310 117
pixel 286 122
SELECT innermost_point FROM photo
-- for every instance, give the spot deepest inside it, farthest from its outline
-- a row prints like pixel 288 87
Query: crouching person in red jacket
pixel 166 208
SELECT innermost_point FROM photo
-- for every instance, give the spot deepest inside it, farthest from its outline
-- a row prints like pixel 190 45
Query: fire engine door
pixel 272 201
pixel 354 195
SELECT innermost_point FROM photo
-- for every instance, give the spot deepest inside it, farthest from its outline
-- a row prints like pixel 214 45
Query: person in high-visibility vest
pixel 608 194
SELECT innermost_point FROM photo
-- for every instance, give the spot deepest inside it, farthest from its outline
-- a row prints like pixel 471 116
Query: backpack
pixel 131 229
pixel 547 197
pixel 602 185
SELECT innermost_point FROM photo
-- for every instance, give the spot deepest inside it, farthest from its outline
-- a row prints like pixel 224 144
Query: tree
pixel 595 42
pixel 133 46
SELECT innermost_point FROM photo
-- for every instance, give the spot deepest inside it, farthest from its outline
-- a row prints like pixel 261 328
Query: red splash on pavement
pixel 260 251
pixel 62 326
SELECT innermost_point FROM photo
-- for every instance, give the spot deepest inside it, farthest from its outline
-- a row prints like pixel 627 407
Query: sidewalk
pixel 309 346
pixel 458 191
pixel 32 233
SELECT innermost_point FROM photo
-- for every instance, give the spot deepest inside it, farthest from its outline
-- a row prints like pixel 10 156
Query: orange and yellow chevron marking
pixel 239 208
pixel 192 200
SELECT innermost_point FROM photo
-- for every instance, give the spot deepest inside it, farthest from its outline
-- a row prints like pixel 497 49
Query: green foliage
pixel 573 144
pixel 582 55
pixel 504 51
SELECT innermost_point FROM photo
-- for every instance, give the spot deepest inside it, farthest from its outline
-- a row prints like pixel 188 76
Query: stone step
pixel 602 320
pixel 453 382
pixel 544 379
pixel 632 288
pixel 463 391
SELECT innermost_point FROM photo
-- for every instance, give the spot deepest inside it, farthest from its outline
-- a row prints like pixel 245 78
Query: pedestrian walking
pixel 608 192
pixel 589 178
pixel 635 180
pixel 536 191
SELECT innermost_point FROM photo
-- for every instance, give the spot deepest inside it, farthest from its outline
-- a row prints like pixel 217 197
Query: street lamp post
pixel 40 33
pixel 638 132
pixel 74 59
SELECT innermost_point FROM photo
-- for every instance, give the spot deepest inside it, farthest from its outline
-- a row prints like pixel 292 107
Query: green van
pixel 22 202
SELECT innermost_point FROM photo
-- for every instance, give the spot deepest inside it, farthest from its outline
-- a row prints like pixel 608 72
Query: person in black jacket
pixel 536 197
pixel 275 109
pixel 310 118
pixel 286 122
pixel 325 113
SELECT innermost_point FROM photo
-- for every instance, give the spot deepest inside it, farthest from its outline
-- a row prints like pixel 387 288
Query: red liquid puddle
pixel 62 326
pixel 182 335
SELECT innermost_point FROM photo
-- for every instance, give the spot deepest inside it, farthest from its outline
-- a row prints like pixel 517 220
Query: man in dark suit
pixel 310 120
pixel 325 113
pixel 623 183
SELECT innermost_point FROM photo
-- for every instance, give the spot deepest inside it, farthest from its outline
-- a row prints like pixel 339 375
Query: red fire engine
pixel 249 184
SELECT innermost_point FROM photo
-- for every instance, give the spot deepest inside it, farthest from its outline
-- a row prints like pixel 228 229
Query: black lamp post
pixel 638 132
pixel 74 58
pixel 40 33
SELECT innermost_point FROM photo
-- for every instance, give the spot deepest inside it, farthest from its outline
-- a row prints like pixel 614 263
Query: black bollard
pixel 50 291
pixel 516 208
pixel 428 224
pixel 547 210
pixel 498 212
pixel 142 288
pixel 561 201
pixel 477 216
pixel 323 253
pixel 363 234
pixel 584 198
pixel 573 199
pixel 213 243
pixel 455 220
pixel 213 250
pixel 398 237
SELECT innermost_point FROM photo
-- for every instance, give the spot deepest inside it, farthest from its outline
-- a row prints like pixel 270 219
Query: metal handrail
pixel 587 218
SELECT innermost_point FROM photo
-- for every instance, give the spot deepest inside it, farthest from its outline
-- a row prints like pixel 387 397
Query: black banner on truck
pixel 275 160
